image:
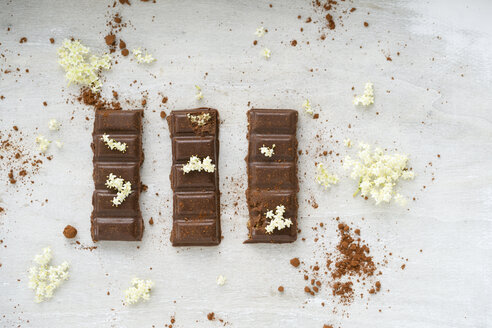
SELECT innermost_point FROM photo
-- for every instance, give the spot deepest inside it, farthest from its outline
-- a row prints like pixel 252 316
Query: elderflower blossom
pixel 113 144
pixel 79 66
pixel 266 53
pixel 54 125
pixel 124 188
pixel 221 280
pixel 307 107
pixel 268 152
pixel 324 178
pixel 200 120
pixel 277 220
pixel 142 59
pixel 367 98
pixel 260 31
pixel 347 143
pixel 44 278
pixel 140 289
pixel 378 173
pixel 199 94
pixel 195 164
pixel 43 143
pixel 59 144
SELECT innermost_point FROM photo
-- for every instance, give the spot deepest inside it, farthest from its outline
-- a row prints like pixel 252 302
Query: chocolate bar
pixel 196 197
pixel 272 180
pixel 120 221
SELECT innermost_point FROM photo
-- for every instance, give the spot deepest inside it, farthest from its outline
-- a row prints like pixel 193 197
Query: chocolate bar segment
pixel 272 181
pixel 122 222
pixel 196 200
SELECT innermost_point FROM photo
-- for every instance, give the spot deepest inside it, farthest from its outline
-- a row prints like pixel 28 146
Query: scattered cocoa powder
pixel 122 44
pixel 52 40
pixel 163 114
pixel 366 24
pixel 293 43
pixel 23 40
pixel 90 98
pixel 151 221
pixel 295 262
pixel 110 39
pixel 281 289
pixel 164 100
pixel 125 52
pixel 211 316
pixel 125 2
pixel 69 232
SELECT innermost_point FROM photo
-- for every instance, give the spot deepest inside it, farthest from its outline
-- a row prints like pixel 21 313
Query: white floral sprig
pixel 367 98
pixel 324 178
pixel 221 280
pixel 54 125
pixel 43 143
pixel 266 53
pixel 44 278
pixel 260 31
pixel 307 107
pixel 113 144
pixel 195 164
pixel 277 220
pixel 141 58
pixel 81 67
pixel 268 152
pixel 348 143
pixel 140 290
pixel 199 94
pixel 124 188
pixel 378 173
pixel 200 119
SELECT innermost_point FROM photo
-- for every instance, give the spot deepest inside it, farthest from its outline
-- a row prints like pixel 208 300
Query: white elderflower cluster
pixel 124 188
pixel 268 152
pixel 44 278
pixel 221 280
pixel 277 220
pixel 348 143
pixel 79 66
pixel 307 107
pixel 140 290
pixel 324 178
pixel 260 31
pixel 43 143
pixel 113 144
pixel 59 144
pixel 200 119
pixel 54 125
pixel 367 98
pixel 199 94
pixel 266 53
pixel 141 58
pixel 195 164
pixel 378 173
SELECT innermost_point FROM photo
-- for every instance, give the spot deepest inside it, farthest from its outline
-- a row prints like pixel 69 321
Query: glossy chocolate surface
pixel 123 222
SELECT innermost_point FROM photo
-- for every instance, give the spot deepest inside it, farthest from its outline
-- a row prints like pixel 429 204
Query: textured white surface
pixel 447 285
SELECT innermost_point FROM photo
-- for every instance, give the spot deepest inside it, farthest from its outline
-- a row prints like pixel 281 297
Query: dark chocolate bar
pixel 196 200
pixel 272 181
pixel 122 222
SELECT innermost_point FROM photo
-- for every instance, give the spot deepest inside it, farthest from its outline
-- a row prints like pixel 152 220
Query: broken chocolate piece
pixel 196 200
pixel 122 222
pixel 272 181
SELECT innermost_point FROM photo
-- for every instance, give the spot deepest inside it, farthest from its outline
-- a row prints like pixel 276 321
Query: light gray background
pixel 448 284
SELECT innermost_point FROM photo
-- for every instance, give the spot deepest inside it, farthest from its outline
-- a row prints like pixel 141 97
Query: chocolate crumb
pixel 125 52
pixel 211 316
pixel 295 262
pixel 23 40
pixel 366 24
pixel 52 40
pixel 110 39
pixel 163 114
pixel 281 289
pixel 69 232
pixel 122 44
pixel 151 221
pixel 164 100
pixel 293 43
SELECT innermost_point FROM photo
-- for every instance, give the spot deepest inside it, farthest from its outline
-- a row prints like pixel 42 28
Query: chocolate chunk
pixel 123 222
pixel 272 181
pixel 196 200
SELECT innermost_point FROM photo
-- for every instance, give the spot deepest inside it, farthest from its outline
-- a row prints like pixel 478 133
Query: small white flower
pixel 54 125
pixel 367 98
pixel 266 53
pixel 43 143
pixel 140 290
pixel 59 144
pixel 113 144
pixel 141 58
pixel 221 280
pixel 200 119
pixel 199 94
pixel 324 178
pixel 307 107
pixel 347 143
pixel 268 152
pixel 124 188
pixel 277 220
pixel 260 31
pixel 195 164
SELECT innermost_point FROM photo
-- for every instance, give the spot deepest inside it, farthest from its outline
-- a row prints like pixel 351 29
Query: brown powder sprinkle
pixel 281 289
pixel 293 43
pixel 52 40
pixel 69 232
pixel 366 24
pixel 110 39
pixel 23 40
pixel 211 316
pixel 151 221
pixel 125 52
pixel 295 262
pixel 163 114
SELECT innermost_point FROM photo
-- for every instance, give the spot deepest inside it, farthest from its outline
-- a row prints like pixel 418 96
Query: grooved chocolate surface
pixel 196 199
pixel 122 222
pixel 272 181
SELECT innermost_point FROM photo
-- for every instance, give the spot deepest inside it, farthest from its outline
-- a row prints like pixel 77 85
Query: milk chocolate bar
pixel 272 181
pixel 124 221
pixel 196 197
